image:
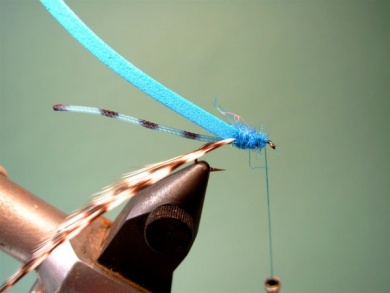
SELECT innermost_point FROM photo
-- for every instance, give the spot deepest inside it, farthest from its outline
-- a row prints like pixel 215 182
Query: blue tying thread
pixel 246 137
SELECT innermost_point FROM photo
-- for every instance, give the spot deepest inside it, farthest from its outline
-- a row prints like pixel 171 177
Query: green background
pixel 314 73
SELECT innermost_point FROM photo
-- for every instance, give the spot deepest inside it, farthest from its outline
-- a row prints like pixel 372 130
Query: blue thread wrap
pixel 86 37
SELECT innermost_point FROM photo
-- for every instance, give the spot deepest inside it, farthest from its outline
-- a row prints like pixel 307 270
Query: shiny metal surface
pixel 71 267
pixel 156 229
pixel 272 284
pixel 24 219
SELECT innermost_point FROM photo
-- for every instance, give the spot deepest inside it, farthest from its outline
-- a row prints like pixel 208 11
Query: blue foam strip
pixel 70 21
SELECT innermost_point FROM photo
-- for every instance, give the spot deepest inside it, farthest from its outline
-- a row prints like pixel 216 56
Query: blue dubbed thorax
pixel 248 137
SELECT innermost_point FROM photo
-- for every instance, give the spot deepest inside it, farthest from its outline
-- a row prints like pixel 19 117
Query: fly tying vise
pixel 104 201
pixel 238 134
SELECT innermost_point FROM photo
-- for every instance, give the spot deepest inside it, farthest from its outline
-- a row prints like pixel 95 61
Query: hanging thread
pixel 269 213
pixel 271 284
